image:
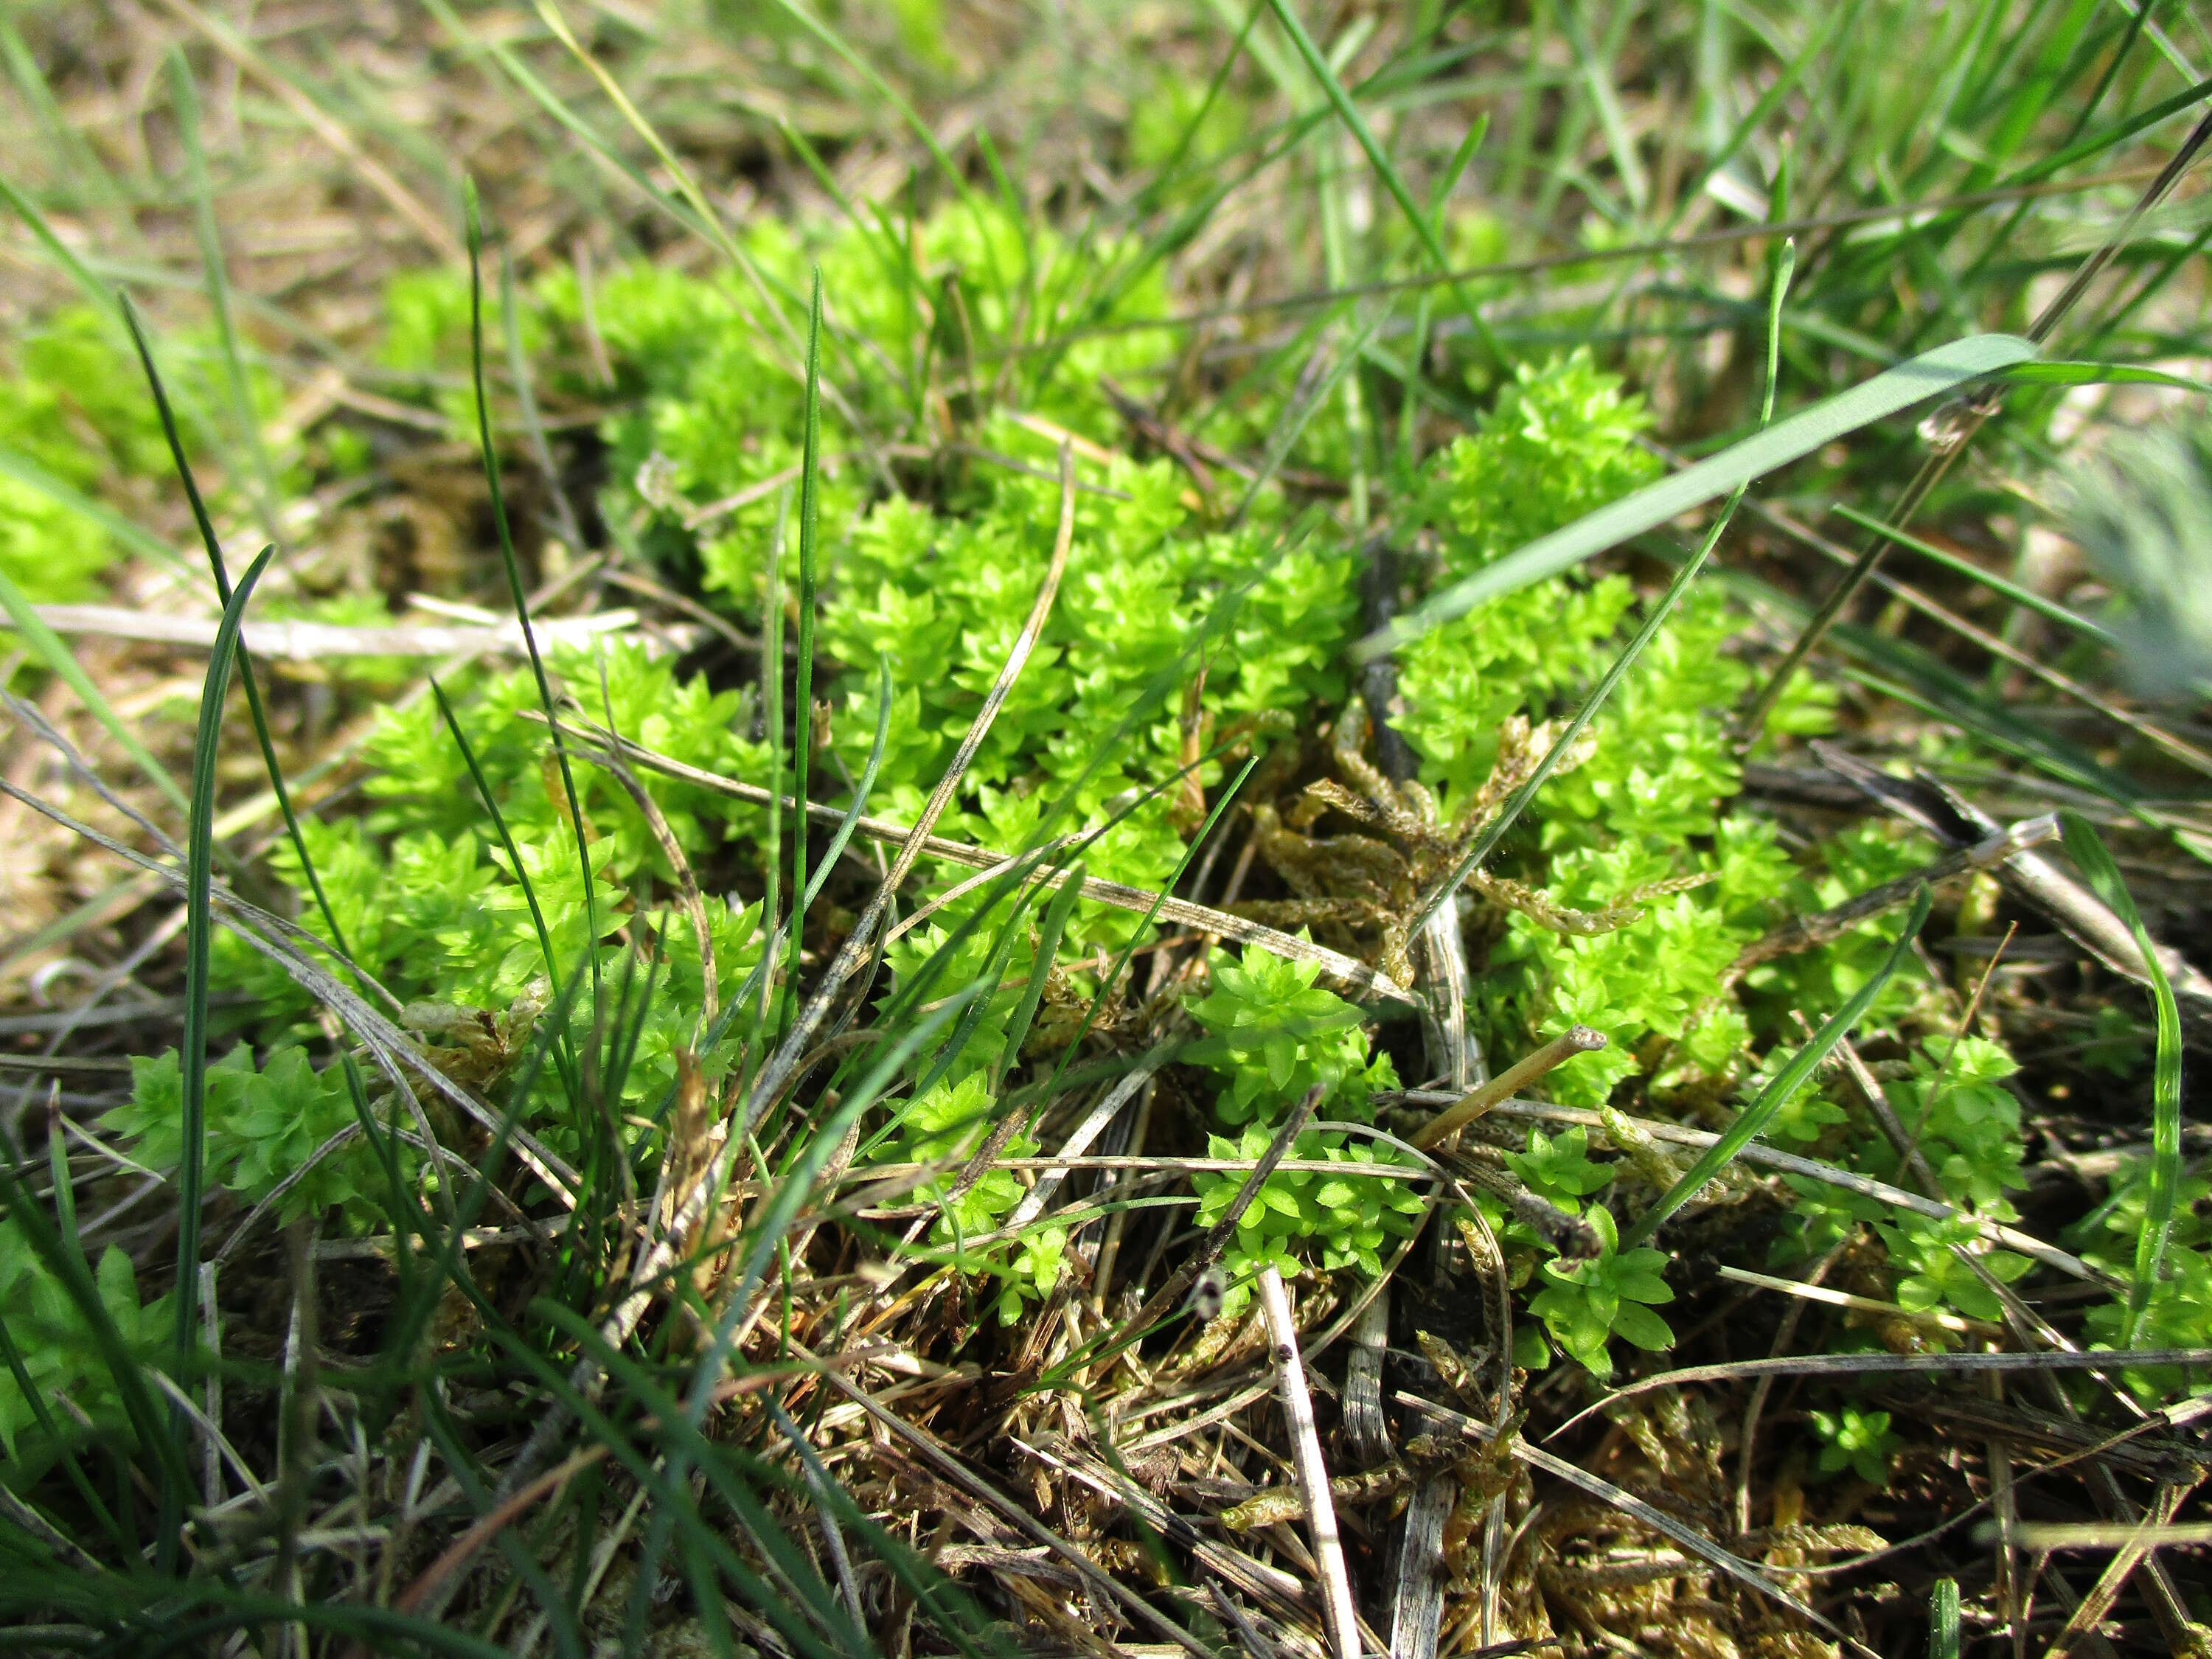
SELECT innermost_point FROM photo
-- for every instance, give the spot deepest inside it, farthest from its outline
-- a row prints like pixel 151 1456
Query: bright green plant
pixel 75 422
pixel 54 1344
pixel 1171 638
pixel 2179 1314
pixel 1559 1168
pixel 1273 1035
pixel 263 1126
pixel 1857 1440
pixel 73 406
pixel 1956 1107
pixel 945 1127
pixel 942 600
pixel 1586 1303
pixel 1926 1255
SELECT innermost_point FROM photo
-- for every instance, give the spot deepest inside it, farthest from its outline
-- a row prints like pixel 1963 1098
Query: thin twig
pixel 1576 1040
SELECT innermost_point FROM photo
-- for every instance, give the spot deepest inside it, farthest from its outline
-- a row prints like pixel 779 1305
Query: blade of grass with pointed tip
pixel 186 100
pixel 1943 1619
pixel 2093 374
pixel 1784 1084
pixel 199 928
pixel 490 456
pixel 1931 374
pixel 2105 879
pixel 213 545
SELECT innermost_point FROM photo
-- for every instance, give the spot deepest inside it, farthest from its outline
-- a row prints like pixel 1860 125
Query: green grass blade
pixel 2050 610
pixel 802 723
pixel 186 100
pixel 1943 1619
pixel 499 828
pixel 843 836
pixel 954 173
pixel 1364 136
pixel 1040 966
pixel 2103 878
pixel 490 455
pixel 526 400
pixel 772 732
pixel 48 647
pixel 1785 1083
pixel 253 704
pixel 199 928
pixel 62 254
pixel 1931 374
pixel 2089 373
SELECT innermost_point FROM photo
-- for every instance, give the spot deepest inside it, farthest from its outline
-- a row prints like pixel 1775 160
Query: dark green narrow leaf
pixel 254 708
pixel 1943 1619
pixel 772 730
pixel 514 587
pixel 1041 965
pixel 2103 878
pixel 199 883
pixel 802 714
pixel 2089 373
pixel 1784 1084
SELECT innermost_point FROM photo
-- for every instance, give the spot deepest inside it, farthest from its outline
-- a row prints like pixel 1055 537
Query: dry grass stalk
pixel 1343 1618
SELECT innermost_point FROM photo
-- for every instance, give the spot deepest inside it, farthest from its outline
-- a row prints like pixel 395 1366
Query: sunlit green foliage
pixel 1586 1303
pixel 50 1340
pixel 1273 1035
